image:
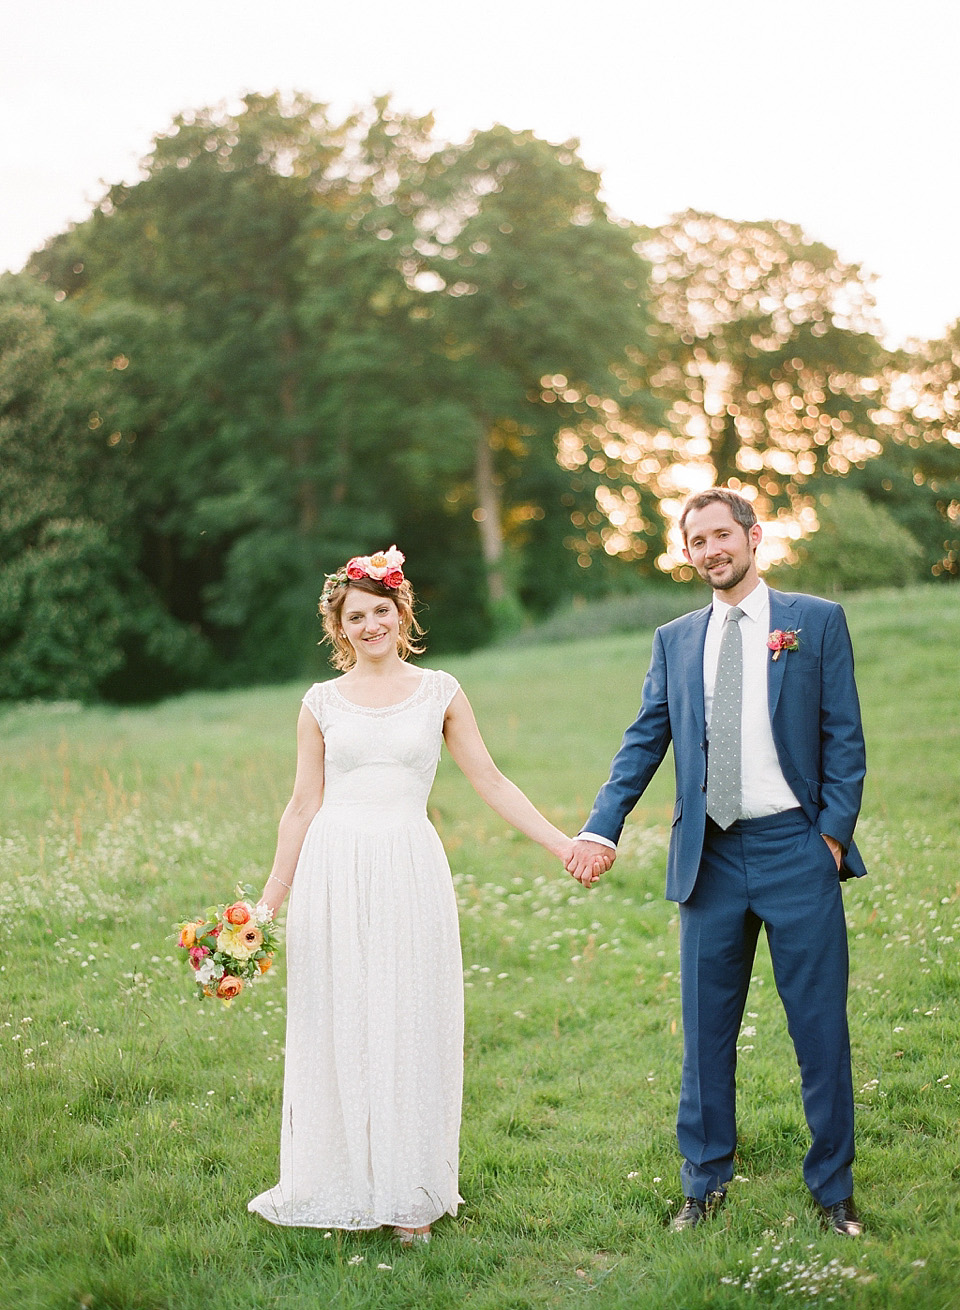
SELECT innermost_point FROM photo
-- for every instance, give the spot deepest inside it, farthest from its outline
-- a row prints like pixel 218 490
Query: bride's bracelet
pixel 273 878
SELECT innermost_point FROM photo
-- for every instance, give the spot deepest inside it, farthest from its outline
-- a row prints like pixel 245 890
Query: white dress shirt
pixel 764 788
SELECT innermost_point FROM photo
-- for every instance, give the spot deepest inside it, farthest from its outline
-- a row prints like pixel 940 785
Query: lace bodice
pixel 385 758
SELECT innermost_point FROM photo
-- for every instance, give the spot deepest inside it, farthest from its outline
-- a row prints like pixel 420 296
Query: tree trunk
pixel 301 451
pixel 725 451
pixel 489 517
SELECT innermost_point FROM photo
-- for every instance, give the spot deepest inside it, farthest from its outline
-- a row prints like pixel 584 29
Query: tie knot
pixel 735 614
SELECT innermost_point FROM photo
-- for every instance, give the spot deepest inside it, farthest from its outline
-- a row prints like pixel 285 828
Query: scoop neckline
pixel 378 709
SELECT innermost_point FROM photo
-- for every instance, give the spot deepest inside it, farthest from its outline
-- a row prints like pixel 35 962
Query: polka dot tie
pixel 724 787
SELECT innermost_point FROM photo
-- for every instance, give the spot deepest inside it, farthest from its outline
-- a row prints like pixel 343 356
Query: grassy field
pixel 136 1123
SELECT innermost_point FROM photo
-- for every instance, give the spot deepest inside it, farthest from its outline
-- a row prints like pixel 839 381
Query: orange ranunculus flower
pixel 188 934
pixel 264 963
pixel 238 913
pixel 229 987
pixel 252 937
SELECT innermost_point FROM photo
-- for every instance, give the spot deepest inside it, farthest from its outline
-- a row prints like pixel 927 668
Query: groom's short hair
pixel 739 506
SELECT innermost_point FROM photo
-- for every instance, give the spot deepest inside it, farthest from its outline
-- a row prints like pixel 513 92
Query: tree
pixel 858 545
pixel 916 474
pixel 72 604
pixel 534 295
pixel 769 357
pixel 306 381
pixel 244 281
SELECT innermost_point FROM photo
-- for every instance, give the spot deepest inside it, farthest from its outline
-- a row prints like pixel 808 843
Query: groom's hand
pixel 836 850
pixel 589 860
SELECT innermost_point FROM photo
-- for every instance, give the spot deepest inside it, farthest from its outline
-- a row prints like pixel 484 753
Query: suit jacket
pixel 815 717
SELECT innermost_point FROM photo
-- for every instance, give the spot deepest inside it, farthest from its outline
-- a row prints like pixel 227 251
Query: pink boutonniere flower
pixel 780 641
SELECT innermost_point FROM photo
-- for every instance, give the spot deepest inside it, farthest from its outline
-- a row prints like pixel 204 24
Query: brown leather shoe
pixel 842 1218
pixel 694 1211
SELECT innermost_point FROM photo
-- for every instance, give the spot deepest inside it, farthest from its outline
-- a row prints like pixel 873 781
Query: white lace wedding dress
pixel 374 1050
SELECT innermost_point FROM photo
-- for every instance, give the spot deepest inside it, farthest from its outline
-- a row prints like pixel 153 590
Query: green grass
pixel 136 1123
pixel 641 610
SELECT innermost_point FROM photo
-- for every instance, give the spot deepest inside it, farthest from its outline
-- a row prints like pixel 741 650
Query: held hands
pixel 589 859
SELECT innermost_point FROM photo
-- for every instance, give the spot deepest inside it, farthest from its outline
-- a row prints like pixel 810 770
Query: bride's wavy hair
pixel 342 654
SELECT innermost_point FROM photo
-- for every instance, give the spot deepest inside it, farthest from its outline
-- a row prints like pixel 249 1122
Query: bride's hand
pixel 564 851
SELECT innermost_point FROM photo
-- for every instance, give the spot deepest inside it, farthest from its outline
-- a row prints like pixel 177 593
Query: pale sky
pixel 841 115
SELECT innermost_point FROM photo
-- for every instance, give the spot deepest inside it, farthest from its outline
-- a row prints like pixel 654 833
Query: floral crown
pixel 385 566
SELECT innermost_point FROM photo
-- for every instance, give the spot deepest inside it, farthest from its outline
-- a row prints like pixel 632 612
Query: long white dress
pixel 374 1052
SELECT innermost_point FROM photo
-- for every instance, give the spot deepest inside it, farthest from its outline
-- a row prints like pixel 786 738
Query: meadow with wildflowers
pixel 137 1120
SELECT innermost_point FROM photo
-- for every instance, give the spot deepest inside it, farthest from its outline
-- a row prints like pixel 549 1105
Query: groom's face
pixel 722 552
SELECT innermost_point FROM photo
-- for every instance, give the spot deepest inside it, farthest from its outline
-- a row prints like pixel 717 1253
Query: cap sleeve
pixel 314 702
pixel 446 687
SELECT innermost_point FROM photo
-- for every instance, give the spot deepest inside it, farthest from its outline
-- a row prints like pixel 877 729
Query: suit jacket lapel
pixel 782 616
pixel 693 665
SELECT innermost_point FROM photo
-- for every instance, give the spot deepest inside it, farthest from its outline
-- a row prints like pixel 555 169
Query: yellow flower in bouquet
pixel 232 942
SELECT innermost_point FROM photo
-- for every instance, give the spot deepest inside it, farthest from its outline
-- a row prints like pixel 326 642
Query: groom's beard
pixel 737 574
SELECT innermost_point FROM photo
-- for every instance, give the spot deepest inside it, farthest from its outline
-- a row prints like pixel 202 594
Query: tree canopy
pixel 772 359
pixel 299 337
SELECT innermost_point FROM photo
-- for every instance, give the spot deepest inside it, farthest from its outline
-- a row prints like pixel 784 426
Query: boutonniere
pixel 780 641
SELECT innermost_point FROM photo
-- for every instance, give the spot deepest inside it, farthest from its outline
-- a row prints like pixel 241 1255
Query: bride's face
pixel 371 624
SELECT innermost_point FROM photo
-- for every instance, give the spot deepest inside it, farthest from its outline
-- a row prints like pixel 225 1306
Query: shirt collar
pixel 753 605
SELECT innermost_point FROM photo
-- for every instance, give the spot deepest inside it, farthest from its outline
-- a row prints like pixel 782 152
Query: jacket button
pixel 703 786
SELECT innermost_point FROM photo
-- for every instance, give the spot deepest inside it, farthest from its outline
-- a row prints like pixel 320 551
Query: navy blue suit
pixel 775 872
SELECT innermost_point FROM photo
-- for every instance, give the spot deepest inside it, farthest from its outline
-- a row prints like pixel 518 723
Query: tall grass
pixel 136 1123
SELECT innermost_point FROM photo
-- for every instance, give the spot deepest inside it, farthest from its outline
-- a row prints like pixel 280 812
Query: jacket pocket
pixel 813 787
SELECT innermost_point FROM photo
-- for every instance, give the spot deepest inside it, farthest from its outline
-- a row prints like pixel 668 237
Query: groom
pixel 757 694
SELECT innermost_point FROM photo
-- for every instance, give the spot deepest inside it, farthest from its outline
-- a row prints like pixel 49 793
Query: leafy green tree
pixel 859 544
pixel 916 475
pixel 311 372
pixel 62 613
pixel 73 606
pixel 534 296
pixel 247 286
pixel 769 356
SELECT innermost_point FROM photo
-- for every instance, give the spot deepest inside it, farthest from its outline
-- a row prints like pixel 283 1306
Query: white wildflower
pixel 209 972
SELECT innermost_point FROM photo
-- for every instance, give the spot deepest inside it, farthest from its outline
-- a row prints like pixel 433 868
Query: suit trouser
pixel 779 872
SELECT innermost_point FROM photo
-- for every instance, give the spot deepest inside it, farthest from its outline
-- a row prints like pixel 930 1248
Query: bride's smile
pixel 371 624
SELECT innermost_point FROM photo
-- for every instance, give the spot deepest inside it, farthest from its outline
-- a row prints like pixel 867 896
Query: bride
pixel 374 1049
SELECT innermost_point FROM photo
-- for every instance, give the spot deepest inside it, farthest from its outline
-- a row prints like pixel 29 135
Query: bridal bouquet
pixel 230 947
